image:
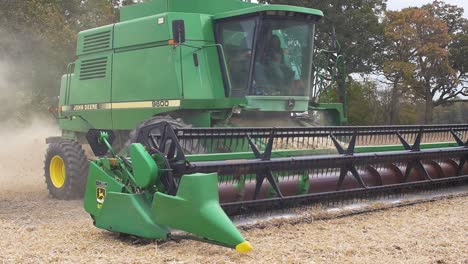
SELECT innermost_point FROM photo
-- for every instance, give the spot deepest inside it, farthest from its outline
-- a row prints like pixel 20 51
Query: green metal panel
pixel 145 74
pixel 130 118
pixel 71 135
pixel 335 111
pixel 303 152
pixel 116 211
pixel 364 149
pixel 198 118
pixel 97 176
pixel 130 214
pixel 89 85
pixel 95 40
pixel 193 6
pixel 202 81
pixel 142 31
pixel 207 28
pixel 197 199
pixel 278 103
pixel 207 6
pixel 115 207
pixel 82 121
pixel 152 73
pixel 261 8
pixel 198 27
pixel 211 103
pixel 79 99
pixel 141 10
pixel 91 82
pixel 144 167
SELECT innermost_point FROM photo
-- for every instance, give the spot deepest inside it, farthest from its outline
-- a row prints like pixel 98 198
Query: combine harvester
pixel 212 106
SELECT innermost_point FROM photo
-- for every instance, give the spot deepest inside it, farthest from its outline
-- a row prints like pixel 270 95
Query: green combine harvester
pixel 198 110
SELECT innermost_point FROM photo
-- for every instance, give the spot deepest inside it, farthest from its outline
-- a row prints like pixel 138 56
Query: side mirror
pixel 178 31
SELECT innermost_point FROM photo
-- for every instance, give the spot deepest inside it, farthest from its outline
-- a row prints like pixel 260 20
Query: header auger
pixel 244 170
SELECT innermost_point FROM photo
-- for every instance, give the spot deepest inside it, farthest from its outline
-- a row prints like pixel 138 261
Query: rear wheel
pixel 66 168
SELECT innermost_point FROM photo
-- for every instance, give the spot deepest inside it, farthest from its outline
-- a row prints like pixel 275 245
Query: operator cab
pixel 268 53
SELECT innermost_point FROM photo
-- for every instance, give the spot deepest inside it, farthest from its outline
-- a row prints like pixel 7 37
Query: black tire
pixel 75 165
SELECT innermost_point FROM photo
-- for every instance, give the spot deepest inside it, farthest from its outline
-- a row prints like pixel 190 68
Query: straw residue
pixel 36 229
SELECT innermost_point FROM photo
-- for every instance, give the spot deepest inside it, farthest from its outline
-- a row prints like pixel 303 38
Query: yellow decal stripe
pixel 105 106
pixel 123 105
pixel 66 108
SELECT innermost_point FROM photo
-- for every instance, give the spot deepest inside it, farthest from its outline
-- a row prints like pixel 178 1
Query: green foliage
pixel 409 114
pixel 37 41
pixel 452 15
pixel 459 52
pixel 456 113
pixel 329 95
pixel 365 106
pixel 425 50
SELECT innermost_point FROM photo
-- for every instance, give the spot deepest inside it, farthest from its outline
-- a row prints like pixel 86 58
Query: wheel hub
pixel 57 171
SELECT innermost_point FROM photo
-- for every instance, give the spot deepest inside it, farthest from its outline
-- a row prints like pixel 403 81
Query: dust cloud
pixel 22 138
pixel 21 157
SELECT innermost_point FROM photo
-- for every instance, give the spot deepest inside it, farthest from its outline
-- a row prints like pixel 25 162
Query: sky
pixel 399 4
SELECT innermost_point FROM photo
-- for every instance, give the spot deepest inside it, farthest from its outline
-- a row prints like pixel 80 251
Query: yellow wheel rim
pixel 57 171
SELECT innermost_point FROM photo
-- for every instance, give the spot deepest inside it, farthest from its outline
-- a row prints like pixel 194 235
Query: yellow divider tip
pixel 244 247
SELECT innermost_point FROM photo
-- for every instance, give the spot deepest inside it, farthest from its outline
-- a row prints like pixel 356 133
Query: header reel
pixel 270 166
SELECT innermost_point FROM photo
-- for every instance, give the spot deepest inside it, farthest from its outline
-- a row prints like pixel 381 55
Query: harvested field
pixel 35 229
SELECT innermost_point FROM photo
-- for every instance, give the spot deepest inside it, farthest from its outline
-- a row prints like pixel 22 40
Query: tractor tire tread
pixel 76 165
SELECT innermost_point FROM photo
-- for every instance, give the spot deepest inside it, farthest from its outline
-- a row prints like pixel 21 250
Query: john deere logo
pixel 100 196
pixel 100 193
pixel 290 104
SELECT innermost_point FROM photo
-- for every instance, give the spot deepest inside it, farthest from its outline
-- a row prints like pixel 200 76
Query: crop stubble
pixel 35 229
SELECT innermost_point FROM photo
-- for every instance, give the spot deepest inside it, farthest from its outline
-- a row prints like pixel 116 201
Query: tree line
pixel 403 67
pixel 418 57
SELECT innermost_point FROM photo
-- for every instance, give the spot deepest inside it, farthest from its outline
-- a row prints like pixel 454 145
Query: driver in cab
pixel 277 76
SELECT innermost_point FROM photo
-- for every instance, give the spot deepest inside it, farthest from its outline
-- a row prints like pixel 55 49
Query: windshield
pixel 237 40
pixel 281 61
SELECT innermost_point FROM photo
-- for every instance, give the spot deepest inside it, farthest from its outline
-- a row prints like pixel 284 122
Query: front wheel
pixel 66 169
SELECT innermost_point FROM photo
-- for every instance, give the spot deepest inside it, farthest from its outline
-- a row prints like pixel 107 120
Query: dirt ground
pixel 36 229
